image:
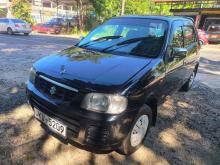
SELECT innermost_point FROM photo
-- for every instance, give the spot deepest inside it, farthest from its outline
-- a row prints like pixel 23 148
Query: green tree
pixel 21 9
pixel 106 8
pixel 138 7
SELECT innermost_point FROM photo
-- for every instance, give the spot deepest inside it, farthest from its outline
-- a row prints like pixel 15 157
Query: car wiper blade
pixel 100 39
pixel 132 40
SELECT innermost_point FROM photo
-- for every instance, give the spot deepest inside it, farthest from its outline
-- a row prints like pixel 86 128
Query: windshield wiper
pixel 100 39
pixel 132 40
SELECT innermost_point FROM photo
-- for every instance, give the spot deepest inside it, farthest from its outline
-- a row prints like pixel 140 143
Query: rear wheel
pixel 201 42
pixel 186 87
pixel 138 132
pixel 9 31
pixel 26 34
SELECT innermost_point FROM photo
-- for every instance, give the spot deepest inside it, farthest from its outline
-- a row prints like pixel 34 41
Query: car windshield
pixel 211 21
pixel 214 28
pixel 134 36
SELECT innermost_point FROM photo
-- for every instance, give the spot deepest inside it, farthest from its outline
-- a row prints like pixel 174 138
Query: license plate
pixel 51 123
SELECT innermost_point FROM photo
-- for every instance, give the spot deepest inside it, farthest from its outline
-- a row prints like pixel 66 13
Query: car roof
pixel 165 18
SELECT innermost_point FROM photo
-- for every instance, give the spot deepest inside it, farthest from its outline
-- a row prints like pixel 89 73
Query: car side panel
pixel 175 71
pixel 192 56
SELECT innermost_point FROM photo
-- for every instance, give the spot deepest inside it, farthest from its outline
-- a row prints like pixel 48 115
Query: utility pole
pixel 122 7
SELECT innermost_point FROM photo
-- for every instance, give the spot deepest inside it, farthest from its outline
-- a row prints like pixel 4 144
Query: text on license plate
pixel 52 124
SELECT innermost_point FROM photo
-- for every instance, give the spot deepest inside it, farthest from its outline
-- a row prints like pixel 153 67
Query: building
pixel 200 10
pixel 42 10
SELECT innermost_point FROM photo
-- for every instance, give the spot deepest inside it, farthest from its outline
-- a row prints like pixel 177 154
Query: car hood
pixel 90 69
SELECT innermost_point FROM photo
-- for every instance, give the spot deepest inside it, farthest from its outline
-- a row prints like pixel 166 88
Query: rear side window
pixel 17 21
pixel 189 35
pixel 178 37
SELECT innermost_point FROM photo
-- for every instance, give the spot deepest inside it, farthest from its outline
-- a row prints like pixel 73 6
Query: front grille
pixel 96 135
pixel 53 90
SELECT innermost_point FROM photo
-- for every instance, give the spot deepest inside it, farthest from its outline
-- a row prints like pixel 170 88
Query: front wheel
pixel 140 128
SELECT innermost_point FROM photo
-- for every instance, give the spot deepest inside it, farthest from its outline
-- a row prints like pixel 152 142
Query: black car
pixel 102 94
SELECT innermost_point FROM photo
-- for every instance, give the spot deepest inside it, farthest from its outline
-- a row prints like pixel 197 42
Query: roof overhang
pixel 196 11
pixel 186 1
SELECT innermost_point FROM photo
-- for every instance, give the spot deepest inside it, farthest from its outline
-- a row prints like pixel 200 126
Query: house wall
pixel 42 10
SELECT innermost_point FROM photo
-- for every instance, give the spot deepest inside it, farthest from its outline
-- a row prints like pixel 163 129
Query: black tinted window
pixel 189 35
pixel 177 37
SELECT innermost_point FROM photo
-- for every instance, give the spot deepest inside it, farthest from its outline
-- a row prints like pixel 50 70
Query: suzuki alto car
pixel 102 94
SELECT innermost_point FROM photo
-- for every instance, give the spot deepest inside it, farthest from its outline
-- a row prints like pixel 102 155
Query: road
pixel 186 131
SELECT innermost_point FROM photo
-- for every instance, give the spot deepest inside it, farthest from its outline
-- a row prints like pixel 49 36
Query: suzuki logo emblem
pixel 53 90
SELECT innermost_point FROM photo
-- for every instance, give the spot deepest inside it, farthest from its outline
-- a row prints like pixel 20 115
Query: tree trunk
pixel 80 14
pixel 122 7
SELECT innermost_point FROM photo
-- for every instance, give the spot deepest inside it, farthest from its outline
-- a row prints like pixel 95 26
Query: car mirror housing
pixel 179 52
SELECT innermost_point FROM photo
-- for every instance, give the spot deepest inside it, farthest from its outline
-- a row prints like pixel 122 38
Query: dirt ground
pixel 187 130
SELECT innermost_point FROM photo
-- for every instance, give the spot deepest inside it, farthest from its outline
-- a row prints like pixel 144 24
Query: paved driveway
pixel 187 131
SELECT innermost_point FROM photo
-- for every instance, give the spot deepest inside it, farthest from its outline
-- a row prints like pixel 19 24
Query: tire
pixel 187 86
pixel 9 31
pixel 130 144
pixel 201 42
pixel 26 34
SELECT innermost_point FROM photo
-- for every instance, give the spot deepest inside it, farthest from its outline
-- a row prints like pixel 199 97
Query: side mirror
pixel 179 52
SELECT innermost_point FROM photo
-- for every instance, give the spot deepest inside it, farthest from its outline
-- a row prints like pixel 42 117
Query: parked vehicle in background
pixel 213 32
pixel 103 92
pixel 203 37
pixel 212 27
pixel 11 26
pixel 49 28
pixel 57 21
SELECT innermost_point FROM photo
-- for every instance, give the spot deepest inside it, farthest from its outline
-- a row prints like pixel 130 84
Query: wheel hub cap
pixel 139 130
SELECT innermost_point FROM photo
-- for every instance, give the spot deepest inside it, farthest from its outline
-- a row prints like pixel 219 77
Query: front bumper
pixel 92 131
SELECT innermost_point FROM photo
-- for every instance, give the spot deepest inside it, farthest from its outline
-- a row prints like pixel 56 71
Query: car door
pixel 191 44
pixel 175 71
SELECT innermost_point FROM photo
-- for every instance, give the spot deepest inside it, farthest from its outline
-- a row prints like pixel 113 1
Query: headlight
pixel 104 103
pixel 32 75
